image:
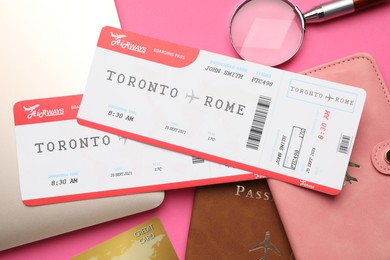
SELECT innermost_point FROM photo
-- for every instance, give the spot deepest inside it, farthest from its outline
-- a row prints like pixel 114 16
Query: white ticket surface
pixel 260 119
pixel 60 160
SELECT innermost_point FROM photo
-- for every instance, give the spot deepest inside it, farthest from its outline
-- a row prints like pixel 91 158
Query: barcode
pixel 344 144
pixel 258 123
pixel 196 160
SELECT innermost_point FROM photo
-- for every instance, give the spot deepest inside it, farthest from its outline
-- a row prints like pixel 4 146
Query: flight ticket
pixel 263 120
pixel 60 160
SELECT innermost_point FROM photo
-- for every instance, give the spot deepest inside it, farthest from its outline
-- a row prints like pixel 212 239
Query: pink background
pixel 205 25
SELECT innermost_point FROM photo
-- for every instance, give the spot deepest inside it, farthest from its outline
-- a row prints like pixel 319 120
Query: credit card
pixel 148 240
pixel 260 119
pixel 60 160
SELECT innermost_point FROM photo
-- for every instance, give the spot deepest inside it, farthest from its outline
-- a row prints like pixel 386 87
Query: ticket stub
pixel 148 240
pixel 60 160
pixel 260 119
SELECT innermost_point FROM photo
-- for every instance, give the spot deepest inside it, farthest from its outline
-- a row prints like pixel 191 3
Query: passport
pixel 236 221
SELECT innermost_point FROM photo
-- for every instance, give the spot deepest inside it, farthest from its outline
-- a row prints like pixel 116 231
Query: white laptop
pixel 45 51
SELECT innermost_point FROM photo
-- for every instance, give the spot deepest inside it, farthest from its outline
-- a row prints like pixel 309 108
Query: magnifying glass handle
pixel 363 4
pixel 337 8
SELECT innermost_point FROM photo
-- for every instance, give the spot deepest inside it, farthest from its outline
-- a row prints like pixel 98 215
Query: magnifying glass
pixel 270 32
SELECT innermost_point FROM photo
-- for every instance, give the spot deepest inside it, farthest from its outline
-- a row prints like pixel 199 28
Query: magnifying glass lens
pixel 268 32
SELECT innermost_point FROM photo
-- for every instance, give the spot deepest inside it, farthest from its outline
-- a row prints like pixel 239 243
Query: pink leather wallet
pixel 356 223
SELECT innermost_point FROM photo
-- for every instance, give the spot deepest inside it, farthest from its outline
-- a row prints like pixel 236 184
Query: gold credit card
pixel 145 241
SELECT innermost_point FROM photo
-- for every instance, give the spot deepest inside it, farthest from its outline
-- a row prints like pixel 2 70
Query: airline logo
pixel 118 39
pixel 34 111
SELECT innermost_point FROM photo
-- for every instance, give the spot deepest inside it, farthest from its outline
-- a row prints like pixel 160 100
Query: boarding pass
pixel 60 160
pixel 260 119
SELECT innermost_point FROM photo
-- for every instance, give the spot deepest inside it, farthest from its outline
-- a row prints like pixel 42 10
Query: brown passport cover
pixel 236 221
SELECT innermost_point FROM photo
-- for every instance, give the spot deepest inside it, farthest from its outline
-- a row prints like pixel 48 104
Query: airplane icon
pixel 117 36
pixel 122 138
pixel 192 96
pixel 329 97
pixel 31 108
pixel 348 178
pixel 266 244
